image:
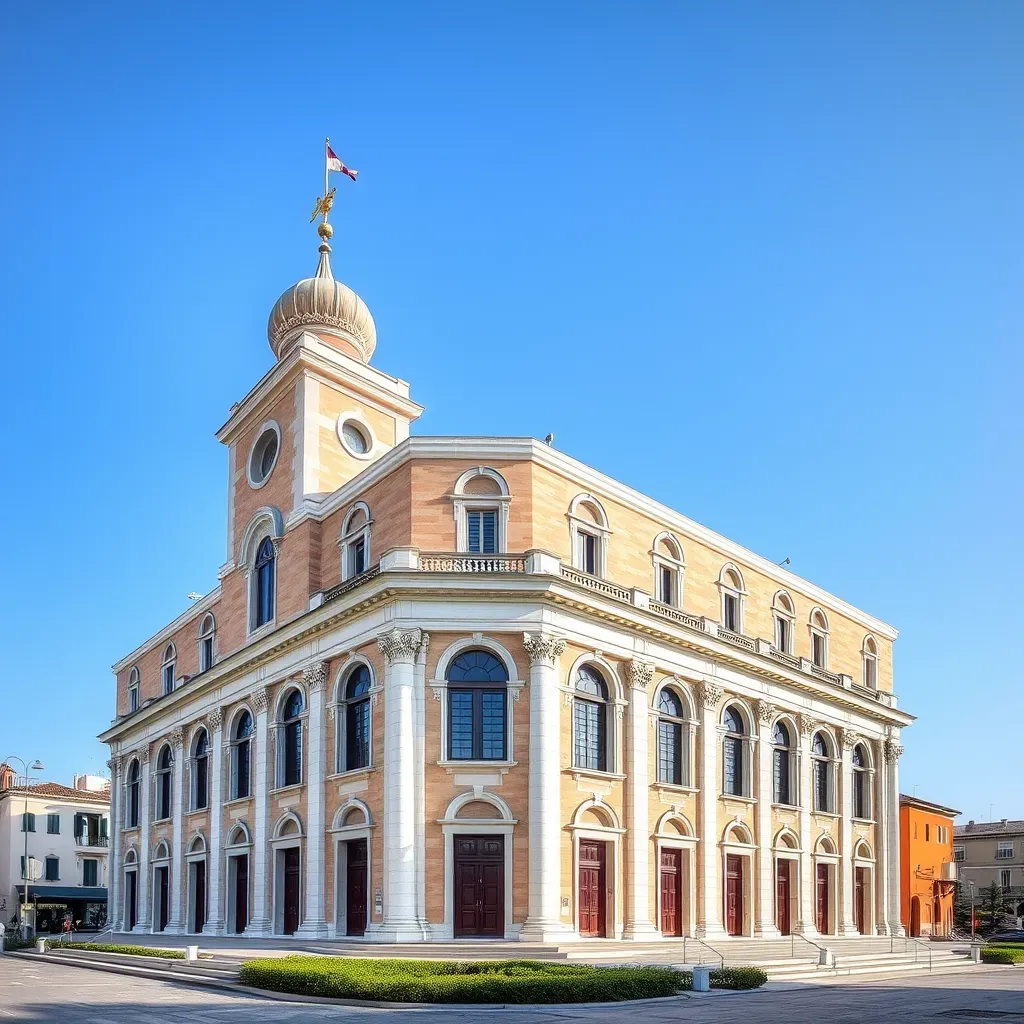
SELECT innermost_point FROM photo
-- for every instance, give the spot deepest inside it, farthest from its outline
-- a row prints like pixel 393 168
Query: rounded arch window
pixel 241 756
pixel 264 583
pixel 163 784
pixel 354 724
pixel 735 756
pixel 782 764
pixel 207 629
pixel 822 771
pixel 861 782
pixel 291 740
pixel 200 771
pixel 263 456
pixel 590 720
pixel 167 668
pixel 870 663
pixel 673 759
pixel 132 796
pixel 477 707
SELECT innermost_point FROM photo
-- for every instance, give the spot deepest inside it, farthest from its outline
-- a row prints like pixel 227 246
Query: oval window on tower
pixel 263 456
pixel 355 436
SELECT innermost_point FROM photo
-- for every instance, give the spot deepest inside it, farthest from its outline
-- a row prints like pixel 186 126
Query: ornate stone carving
pixel 114 764
pixel 805 724
pixel 893 750
pixel 315 676
pixel 400 643
pixel 424 646
pixel 143 754
pixel 438 692
pixel 709 695
pixel 850 739
pixel 543 648
pixel 215 719
pixel 177 738
pixel 640 673
pixel 766 711
pixel 261 700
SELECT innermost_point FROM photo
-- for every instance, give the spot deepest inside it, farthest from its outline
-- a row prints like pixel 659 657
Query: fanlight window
pixel 200 771
pixel 265 583
pixel 354 721
pixel 870 663
pixel 167 668
pixel 784 617
pixel 782 764
pixel 861 783
pixel 673 758
pixel 133 690
pixel 819 638
pixel 291 740
pixel 730 583
pixel 822 769
pixel 734 754
pixel 590 721
pixel 162 777
pixel 207 630
pixel 477 707
pixel 241 757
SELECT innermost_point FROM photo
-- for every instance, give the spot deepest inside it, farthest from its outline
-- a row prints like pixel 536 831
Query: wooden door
pixel 821 898
pixel 241 892
pixel 915 915
pixel 198 895
pixel 355 887
pixel 860 890
pixel 671 888
pixel 291 890
pixel 592 888
pixel 479 870
pixel 133 899
pixel 782 896
pixel 162 901
pixel 734 894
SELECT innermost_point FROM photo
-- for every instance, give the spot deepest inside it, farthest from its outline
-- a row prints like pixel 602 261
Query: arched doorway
pixel 915 915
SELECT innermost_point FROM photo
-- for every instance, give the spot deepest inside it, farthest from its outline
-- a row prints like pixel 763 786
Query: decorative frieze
pixel 314 676
pixel 709 695
pixel 543 648
pixel 400 644
pixel 640 673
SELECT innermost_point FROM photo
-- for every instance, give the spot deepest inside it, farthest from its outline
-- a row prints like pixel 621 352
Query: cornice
pixel 202 605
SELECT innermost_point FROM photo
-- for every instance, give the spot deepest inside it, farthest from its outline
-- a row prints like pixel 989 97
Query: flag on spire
pixel 334 164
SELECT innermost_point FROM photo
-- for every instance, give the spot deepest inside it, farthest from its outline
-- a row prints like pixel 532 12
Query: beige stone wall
pixel 337 466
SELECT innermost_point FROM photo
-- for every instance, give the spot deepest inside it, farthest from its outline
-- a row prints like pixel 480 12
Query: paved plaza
pixel 71 995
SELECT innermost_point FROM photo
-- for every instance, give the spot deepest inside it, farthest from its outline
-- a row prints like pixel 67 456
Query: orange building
pixel 927 870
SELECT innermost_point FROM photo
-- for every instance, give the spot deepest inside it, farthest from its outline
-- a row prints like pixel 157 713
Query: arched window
pixel 482 499
pixel 861 782
pixel 162 777
pixel 132 795
pixel 669 565
pixel 870 655
pixel 588 534
pixel 200 771
pixel 819 638
pixel 734 754
pixel 590 721
pixel 730 584
pixel 783 755
pixel 821 763
pixel 167 668
pixel 207 632
pixel 477 707
pixel 133 690
pixel 290 748
pixel 355 541
pixel 784 615
pixel 264 583
pixel 241 757
pixel 673 734
pixel 354 721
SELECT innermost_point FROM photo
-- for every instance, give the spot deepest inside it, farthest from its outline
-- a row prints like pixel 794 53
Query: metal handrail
pixel 793 936
pixel 918 942
pixel 706 945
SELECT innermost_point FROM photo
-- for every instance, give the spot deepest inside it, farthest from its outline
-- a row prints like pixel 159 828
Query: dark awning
pixel 92 893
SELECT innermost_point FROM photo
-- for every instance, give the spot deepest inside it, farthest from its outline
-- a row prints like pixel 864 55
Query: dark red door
pixel 241 892
pixel 480 886
pixel 355 887
pixel 291 890
pixel 859 893
pixel 671 892
pixel 592 888
pixel 133 899
pixel 199 895
pixel 733 894
pixel 782 896
pixel 821 897
pixel 162 901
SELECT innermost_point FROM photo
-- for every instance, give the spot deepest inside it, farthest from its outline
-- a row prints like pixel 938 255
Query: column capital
pixel 177 738
pixel 314 676
pixel 215 719
pixel 892 751
pixel 850 739
pixel 114 764
pixel 709 695
pixel 640 674
pixel 766 711
pixel 543 648
pixel 142 753
pixel 805 724
pixel 261 700
pixel 400 644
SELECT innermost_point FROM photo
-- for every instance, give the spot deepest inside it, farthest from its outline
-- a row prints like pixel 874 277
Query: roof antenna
pixel 550 440
pixel 785 561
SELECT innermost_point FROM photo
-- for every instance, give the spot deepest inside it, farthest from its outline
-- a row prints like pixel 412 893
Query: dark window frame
pixel 265 583
pixel 478 717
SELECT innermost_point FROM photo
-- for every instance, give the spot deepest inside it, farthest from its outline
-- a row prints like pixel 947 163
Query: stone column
pixel 638 924
pixel 544 918
pixel 893 750
pixel 314 926
pixel 402 922
pixel 807 924
pixel 847 919
pixel 214 896
pixel 709 915
pixel 878 805
pixel 176 913
pixel 114 866
pixel 144 914
pixel 259 919
pixel 419 756
pixel 764 918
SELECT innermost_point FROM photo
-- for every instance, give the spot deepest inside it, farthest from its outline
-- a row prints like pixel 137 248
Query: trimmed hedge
pixel 102 947
pixel 461 981
pixel 1002 955
pixel 738 978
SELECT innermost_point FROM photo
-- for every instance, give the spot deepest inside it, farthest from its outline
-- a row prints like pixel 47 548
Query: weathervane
pixel 326 201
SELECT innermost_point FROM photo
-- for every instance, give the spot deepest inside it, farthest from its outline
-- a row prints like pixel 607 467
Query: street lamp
pixel 35 766
pixel 970 885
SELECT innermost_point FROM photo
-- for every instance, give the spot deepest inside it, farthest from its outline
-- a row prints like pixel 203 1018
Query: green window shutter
pixel 103 828
pixel 22 867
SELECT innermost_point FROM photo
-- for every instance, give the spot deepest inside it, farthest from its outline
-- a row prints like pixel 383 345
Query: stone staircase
pixel 216 971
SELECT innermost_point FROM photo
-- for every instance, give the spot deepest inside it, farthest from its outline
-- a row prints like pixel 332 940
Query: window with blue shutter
pixel 483 531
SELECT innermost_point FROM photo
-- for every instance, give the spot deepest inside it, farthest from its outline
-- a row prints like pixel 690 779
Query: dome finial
pixel 323 268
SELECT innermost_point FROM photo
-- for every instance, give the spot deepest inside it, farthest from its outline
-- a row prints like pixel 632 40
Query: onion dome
pixel 324 307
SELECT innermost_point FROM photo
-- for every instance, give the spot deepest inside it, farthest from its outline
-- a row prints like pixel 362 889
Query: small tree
pixel 993 904
pixel 962 907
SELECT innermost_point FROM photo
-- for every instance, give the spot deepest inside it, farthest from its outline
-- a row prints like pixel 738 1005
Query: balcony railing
pixel 584 579
pixel 472 563
pixel 100 842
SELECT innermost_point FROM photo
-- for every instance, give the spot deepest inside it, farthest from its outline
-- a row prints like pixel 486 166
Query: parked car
pixel 1015 935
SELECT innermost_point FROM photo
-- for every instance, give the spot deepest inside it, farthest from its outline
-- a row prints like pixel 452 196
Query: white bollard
pixel 702 979
pixel 976 954
pixel 40 945
pixel 191 954
pixel 825 958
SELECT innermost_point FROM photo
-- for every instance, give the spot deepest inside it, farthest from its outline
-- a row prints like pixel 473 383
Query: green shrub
pixel 13 942
pixel 102 947
pixel 461 981
pixel 1002 955
pixel 738 977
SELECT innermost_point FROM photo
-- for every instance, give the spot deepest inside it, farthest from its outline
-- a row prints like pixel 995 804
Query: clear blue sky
pixel 762 262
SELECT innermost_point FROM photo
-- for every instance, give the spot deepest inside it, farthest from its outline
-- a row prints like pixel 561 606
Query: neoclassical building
pixel 469 687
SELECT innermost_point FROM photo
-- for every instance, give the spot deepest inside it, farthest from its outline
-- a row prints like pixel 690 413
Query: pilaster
pixel 259 919
pixel 893 751
pixel 807 925
pixel 879 801
pixel 764 916
pixel 144 914
pixel 215 898
pixel 114 867
pixel 847 919
pixel 709 916
pixel 314 926
pixel 176 916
